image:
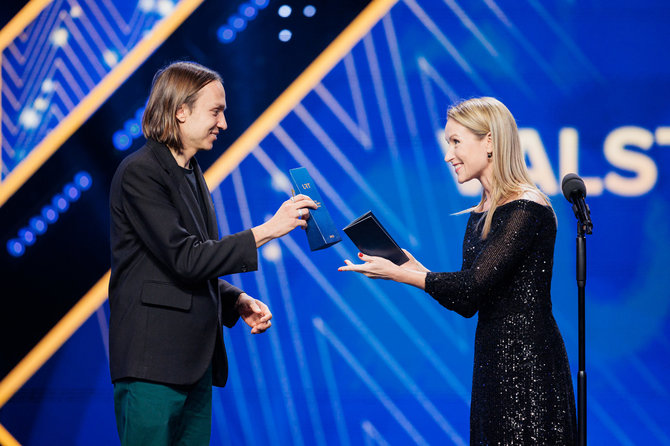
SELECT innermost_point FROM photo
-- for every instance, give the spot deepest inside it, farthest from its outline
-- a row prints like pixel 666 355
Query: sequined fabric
pixel 521 387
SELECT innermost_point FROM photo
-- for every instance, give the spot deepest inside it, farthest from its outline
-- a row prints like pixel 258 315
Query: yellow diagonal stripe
pixel 11 30
pixel 108 85
pixel 305 83
pixel 6 438
pixel 24 17
pixel 53 340
pixel 295 93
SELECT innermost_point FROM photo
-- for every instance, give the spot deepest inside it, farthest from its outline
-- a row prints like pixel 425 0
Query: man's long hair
pixel 176 85
pixel 510 175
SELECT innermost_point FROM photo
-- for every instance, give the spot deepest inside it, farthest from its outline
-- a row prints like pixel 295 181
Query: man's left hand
pixel 255 313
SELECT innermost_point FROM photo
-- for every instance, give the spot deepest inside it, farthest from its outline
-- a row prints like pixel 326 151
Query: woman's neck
pixel 487 186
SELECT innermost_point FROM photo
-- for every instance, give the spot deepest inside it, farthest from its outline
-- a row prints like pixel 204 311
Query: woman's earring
pixel 490 154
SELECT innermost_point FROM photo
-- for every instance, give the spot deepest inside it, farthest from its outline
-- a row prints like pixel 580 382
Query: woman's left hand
pixel 374 267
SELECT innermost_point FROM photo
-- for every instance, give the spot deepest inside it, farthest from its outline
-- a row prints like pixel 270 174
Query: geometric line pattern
pixel 58 59
pixel 379 114
pixel 85 65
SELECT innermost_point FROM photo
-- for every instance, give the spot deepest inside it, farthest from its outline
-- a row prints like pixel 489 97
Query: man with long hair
pixel 166 300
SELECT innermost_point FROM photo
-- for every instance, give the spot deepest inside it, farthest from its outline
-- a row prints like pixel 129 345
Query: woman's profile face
pixel 467 152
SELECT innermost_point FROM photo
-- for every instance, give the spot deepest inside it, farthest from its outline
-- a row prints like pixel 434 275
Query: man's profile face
pixel 199 125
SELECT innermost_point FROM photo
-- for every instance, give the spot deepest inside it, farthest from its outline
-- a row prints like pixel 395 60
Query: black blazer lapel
pixel 191 209
pixel 212 226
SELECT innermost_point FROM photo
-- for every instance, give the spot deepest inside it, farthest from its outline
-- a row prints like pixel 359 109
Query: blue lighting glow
pixel 38 225
pixel 50 214
pixel 27 236
pixel 60 203
pixel 83 181
pixel 284 11
pixel 15 247
pixel 225 34
pixel 248 10
pixel 133 128
pixel 138 115
pixel 71 192
pixel 121 140
pixel 285 35
pixel 236 22
pixel 309 11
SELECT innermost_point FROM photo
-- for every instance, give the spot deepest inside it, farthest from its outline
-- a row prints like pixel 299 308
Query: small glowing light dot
pixel 48 86
pixel 309 11
pixel 60 203
pixel 71 192
pixel 248 11
pixel 59 37
pixel 27 236
pixel 29 118
pixel 164 7
pixel 15 247
pixel 121 140
pixel 280 182
pixel 110 58
pixel 272 251
pixel 76 11
pixel 83 180
pixel 50 214
pixel 40 104
pixel 146 5
pixel 261 3
pixel 237 22
pixel 38 225
pixel 132 127
pixel 284 11
pixel 285 35
pixel 225 34
pixel 139 114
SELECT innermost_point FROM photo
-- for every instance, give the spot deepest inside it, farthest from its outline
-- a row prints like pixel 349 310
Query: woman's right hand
pixel 413 263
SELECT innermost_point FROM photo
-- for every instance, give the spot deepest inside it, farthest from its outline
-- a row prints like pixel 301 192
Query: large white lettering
pixel 617 149
pixel 641 165
pixel 568 150
pixel 540 167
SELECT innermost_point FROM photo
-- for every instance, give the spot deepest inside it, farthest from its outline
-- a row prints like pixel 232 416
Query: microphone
pixel 574 190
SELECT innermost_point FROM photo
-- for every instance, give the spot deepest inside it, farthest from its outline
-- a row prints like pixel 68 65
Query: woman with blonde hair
pixel 522 389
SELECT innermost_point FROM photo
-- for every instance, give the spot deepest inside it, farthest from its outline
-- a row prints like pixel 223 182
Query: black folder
pixel 372 239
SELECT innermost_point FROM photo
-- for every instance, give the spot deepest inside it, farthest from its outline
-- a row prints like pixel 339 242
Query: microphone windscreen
pixel 572 185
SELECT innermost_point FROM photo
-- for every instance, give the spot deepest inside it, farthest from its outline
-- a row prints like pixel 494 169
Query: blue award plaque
pixel 321 231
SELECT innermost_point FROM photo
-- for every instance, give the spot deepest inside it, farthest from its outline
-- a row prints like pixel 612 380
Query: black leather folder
pixel 372 239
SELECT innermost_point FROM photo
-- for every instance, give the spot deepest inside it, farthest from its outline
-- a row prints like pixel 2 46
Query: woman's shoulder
pixel 535 196
pixel 530 201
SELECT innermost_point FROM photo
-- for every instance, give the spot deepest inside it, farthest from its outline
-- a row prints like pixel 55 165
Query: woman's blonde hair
pixel 510 176
pixel 173 86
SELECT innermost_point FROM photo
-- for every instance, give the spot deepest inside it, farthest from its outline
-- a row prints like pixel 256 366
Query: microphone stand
pixel 582 230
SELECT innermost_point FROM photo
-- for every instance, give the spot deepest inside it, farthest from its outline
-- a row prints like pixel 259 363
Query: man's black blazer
pixel 167 303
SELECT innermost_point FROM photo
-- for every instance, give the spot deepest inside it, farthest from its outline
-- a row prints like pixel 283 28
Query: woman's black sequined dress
pixel 521 386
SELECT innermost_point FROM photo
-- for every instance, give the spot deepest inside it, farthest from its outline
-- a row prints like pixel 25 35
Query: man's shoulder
pixel 140 156
pixel 141 159
pixel 138 166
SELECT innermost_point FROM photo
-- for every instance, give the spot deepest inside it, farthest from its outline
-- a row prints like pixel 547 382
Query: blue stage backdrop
pixel 350 361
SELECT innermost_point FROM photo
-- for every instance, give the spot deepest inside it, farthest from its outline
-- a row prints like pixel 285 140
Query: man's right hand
pixel 292 213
